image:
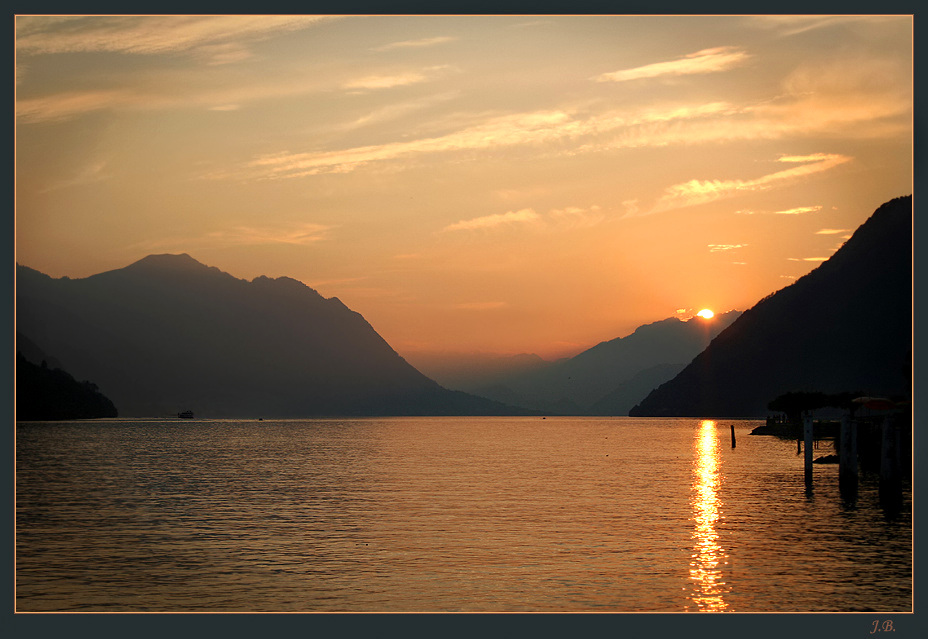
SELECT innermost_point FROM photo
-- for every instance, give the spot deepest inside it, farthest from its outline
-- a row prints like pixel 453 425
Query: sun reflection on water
pixel 708 556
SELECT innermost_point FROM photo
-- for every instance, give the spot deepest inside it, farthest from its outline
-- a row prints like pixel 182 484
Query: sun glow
pixel 706 313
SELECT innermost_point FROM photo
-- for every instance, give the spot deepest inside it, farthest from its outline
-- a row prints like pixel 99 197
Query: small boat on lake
pixel 187 414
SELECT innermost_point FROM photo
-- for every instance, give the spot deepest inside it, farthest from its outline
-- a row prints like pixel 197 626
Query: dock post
pixel 890 477
pixel 732 435
pixel 847 459
pixel 807 443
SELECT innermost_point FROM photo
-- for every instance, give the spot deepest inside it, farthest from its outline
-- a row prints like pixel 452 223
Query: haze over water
pixel 443 514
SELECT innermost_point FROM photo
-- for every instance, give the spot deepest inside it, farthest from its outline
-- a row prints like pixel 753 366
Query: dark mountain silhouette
pixel 612 376
pixel 168 333
pixel 45 392
pixel 846 325
pixel 622 399
pixel 33 353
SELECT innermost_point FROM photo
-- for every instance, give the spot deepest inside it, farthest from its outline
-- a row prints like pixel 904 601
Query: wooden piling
pixel 807 440
pixel 732 435
pixel 847 459
pixel 890 470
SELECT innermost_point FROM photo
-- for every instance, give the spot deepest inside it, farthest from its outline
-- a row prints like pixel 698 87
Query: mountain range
pixel 168 334
pixel 607 379
pixel 844 327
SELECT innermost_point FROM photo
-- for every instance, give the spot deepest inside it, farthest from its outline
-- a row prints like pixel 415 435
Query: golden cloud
pixel 146 34
pixel 705 61
pixel 695 192
pixel 492 221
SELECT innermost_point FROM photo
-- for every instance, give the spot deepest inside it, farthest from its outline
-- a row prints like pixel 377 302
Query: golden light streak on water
pixel 708 556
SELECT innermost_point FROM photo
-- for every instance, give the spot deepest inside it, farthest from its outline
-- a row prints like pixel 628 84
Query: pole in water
pixel 847 459
pixel 732 435
pixel 890 476
pixel 807 441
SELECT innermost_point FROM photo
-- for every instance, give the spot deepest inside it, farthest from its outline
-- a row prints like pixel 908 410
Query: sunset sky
pixel 502 184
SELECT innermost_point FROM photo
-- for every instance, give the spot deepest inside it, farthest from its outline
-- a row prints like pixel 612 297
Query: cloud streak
pixel 694 192
pixel 529 129
pixel 295 235
pixel 705 61
pixel 717 248
pixel 799 210
pixel 571 132
pixel 376 82
pixel 300 235
pixel 149 35
pixel 90 174
pixel 398 110
pixel 416 44
pixel 576 217
pixel 492 221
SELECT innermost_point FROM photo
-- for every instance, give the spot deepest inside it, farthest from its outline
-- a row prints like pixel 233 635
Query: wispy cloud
pixel 717 248
pixel 531 23
pixel 399 110
pixel 812 106
pixel 416 44
pixel 695 192
pixel 497 219
pixel 705 61
pixel 571 217
pixel 376 82
pixel 302 234
pixel 90 174
pixel 790 25
pixel 860 97
pixel 807 259
pixel 576 216
pixel 799 210
pixel 831 231
pixel 533 128
pixel 68 105
pixel 63 106
pixel 148 35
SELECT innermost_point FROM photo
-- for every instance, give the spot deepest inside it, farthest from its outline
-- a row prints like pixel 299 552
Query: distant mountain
pixel 609 378
pixel 464 371
pixel 845 326
pixel 33 353
pixel 168 333
pixel 630 392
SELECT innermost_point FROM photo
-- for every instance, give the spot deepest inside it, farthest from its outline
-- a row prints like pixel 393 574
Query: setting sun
pixel 706 313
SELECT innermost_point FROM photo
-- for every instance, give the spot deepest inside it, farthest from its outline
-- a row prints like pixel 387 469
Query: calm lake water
pixel 444 514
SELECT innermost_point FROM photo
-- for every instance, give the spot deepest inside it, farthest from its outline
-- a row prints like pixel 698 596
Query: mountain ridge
pixel 845 326
pixel 607 377
pixel 168 333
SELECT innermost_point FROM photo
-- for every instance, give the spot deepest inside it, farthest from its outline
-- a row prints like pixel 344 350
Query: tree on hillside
pixel 794 404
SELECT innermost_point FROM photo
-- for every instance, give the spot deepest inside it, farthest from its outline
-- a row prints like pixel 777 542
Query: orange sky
pixel 496 184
